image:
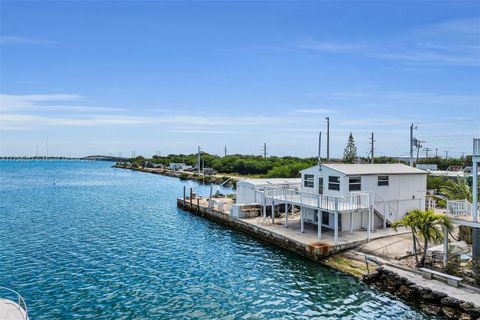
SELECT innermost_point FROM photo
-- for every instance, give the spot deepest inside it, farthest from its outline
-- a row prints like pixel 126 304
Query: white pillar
pixel 301 213
pixel 273 212
pixel 445 246
pixel 286 215
pixel 301 219
pixel 351 222
pixel 335 226
pixel 475 184
pixel 384 215
pixel 264 214
pixel 319 221
pixel 369 224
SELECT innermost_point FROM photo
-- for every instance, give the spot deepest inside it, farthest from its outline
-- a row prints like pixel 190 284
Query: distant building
pixel 426 166
pixel 209 171
pixel 176 166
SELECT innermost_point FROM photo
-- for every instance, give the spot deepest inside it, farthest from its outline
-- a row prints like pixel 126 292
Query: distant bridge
pixel 105 158
pixel 88 158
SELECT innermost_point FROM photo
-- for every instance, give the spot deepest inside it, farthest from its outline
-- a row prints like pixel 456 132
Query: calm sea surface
pixel 81 240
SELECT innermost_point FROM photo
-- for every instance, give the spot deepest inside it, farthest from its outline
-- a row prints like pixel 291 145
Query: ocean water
pixel 82 240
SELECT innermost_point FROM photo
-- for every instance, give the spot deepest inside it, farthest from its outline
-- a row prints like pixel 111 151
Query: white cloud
pixel 23 40
pixel 315 111
pixel 45 102
pixel 450 43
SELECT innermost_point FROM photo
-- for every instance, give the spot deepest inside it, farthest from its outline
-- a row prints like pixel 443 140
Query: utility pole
pixel 372 147
pixel 411 145
pixel 427 150
pixel 225 151
pixel 264 149
pixel 328 137
pixel 198 159
pixel 418 146
pixel 319 147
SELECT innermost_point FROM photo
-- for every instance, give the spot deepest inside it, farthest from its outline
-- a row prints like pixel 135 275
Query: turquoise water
pixel 81 240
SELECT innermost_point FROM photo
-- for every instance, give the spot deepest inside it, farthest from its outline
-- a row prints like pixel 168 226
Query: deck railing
pixel 459 208
pixel 352 202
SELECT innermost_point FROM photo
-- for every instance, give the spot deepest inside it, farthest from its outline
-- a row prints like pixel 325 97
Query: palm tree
pixel 410 222
pixel 457 189
pixel 424 224
pixel 427 226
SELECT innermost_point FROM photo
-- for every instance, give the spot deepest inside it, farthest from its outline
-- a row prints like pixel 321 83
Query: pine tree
pixel 350 153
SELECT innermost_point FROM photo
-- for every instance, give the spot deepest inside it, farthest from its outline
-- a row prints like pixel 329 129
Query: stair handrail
pixel 389 206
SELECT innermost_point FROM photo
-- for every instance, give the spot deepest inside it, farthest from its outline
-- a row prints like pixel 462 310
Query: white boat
pixel 14 309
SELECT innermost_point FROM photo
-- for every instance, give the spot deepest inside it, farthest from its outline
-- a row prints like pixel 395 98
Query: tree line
pixel 283 167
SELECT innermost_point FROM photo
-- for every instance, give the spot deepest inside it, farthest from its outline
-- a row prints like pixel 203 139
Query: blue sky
pixel 112 77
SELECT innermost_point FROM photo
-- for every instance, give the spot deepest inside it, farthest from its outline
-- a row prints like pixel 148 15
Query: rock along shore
pixel 228 181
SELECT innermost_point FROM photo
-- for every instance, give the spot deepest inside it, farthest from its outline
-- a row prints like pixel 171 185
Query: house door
pixel 320 185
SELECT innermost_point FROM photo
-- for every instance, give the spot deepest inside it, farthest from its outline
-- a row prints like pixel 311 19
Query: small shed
pixel 251 190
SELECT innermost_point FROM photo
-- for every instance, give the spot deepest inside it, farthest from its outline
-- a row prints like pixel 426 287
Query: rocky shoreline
pixel 227 181
pixel 429 301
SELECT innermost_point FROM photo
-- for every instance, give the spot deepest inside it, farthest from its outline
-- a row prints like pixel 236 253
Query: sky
pixel 113 77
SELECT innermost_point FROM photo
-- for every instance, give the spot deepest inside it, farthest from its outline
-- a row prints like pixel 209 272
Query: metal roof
pixel 367 169
pixel 272 181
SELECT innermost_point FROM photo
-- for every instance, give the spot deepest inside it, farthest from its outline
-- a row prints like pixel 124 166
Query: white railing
pixel 459 208
pixel 6 293
pixel 352 202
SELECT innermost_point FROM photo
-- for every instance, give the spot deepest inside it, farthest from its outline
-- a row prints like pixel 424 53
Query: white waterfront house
pixel 345 197
pixel 392 189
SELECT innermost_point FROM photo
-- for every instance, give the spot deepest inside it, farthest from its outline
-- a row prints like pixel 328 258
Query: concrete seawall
pixel 316 250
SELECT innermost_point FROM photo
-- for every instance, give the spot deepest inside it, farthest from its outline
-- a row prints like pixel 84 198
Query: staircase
pixel 386 221
pixel 389 214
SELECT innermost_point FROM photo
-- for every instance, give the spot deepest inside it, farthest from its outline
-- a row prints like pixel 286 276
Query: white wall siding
pixel 246 193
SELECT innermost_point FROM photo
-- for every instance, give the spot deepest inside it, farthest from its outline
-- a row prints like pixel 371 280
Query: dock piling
pixel 184 195
pixel 191 197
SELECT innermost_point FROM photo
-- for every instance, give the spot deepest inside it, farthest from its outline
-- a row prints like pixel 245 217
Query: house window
pixel 334 183
pixel 308 180
pixel 383 180
pixel 320 185
pixel 355 184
